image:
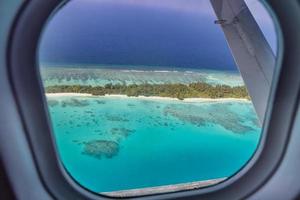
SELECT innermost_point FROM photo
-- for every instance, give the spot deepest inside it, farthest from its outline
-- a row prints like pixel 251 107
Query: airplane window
pixel 149 96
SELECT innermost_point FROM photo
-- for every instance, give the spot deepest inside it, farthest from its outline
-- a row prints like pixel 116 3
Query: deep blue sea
pixel 159 33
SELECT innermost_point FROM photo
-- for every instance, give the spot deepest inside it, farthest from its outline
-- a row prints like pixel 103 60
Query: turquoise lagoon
pixel 113 143
pixel 135 75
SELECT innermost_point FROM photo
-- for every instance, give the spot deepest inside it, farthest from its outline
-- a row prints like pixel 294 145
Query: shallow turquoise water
pixel 102 76
pixel 110 143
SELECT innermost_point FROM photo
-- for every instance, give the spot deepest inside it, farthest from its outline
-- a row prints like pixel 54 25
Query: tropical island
pixel 179 91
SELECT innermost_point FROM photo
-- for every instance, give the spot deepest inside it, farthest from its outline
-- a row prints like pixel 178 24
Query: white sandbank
pixel 148 97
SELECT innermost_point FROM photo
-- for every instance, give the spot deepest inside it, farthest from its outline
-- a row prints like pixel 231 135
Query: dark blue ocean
pixel 113 33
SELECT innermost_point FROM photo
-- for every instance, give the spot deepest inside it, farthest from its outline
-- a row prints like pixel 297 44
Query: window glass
pixel 148 93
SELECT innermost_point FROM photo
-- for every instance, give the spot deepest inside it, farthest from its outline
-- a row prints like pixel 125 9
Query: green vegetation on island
pixel 180 91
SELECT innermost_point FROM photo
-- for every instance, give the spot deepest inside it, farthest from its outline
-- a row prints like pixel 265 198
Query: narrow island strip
pixel 163 189
pixel 192 91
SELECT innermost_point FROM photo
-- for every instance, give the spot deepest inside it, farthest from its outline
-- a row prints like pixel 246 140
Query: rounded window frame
pixel 25 78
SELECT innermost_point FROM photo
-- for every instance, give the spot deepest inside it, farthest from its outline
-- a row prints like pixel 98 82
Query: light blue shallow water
pixel 147 143
pixel 136 75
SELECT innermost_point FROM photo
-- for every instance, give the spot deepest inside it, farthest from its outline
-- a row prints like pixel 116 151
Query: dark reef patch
pixel 52 102
pixel 75 103
pixel 115 118
pixel 100 102
pixel 122 131
pixel 101 148
pixel 214 114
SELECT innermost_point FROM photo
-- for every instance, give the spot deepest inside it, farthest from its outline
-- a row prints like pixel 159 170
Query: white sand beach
pixel 191 100
pixel 68 94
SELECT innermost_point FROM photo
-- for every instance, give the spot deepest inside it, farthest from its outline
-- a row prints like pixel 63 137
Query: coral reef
pixel 101 148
